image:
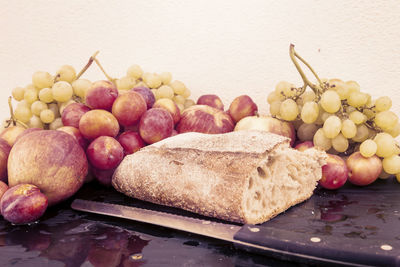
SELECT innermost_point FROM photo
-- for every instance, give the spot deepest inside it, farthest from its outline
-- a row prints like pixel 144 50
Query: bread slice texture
pixel 243 176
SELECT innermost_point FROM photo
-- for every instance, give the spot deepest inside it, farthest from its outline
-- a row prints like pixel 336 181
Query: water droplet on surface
pixel 254 229
pixel 315 239
pixel 386 247
pixel 135 257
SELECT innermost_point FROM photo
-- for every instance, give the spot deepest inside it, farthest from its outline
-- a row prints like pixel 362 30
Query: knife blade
pixel 218 230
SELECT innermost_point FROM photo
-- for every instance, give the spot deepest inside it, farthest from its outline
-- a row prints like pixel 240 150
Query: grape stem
pixel 104 72
pixel 91 59
pixel 12 119
pixel 315 88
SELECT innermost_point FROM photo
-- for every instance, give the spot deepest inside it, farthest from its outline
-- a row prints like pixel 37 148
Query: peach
pixel 72 114
pixel 23 203
pixel 3 188
pixel 27 131
pixel 128 108
pixel 11 133
pixel 242 106
pixel 147 95
pixel 304 145
pixel 131 142
pixel 170 106
pixel 4 152
pixel 74 132
pixel 211 100
pixel 104 177
pixel 52 160
pixel 334 173
pixel 105 153
pixel 269 124
pixel 156 124
pixel 204 119
pixel 362 170
pixel 98 122
pixel 101 95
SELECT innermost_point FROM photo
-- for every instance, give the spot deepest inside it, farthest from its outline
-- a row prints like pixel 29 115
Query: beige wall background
pixel 224 47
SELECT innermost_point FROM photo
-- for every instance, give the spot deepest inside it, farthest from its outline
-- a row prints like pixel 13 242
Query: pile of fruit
pixel 94 125
pixel 342 120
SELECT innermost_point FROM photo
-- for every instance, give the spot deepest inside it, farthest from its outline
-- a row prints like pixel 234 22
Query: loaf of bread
pixel 243 176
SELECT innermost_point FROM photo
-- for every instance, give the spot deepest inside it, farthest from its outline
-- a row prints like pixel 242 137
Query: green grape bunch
pixel 338 117
pixel 40 104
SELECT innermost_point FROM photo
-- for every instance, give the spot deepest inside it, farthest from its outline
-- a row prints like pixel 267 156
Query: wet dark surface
pixel 64 237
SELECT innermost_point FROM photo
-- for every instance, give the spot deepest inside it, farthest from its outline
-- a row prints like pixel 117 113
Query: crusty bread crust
pixel 205 174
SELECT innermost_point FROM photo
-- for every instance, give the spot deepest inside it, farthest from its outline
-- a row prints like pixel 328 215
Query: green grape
pixel 353 86
pixel 289 110
pixel 285 89
pixel 368 148
pixel 134 71
pixel 165 91
pixel 306 131
pixel 398 177
pixel 332 126
pixel 189 103
pixel 178 87
pixel 152 79
pixel 362 133
pixel 23 114
pixel 275 107
pixel 23 103
pixel 55 124
pixel 47 116
pixel 66 73
pixel 357 117
pixel 383 103
pixel 320 140
pixel 18 93
pixel 166 77
pixel 125 83
pixel 35 122
pixel 30 95
pixel 274 96
pixel 142 84
pixel 358 99
pixel 55 108
pixel 46 95
pixel 369 113
pixel 62 91
pixel 384 175
pixel 340 143
pixel 395 131
pixel 307 96
pixel 80 87
pixel 186 94
pixel 181 107
pixel 31 87
pixel 330 101
pixel 340 87
pixel 41 79
pixel 37 107
pixel 385 145
pixel 309 112
pixel 386 120
pixel 63 105
pixel 391 165
pixel 178 99
pixel 155 93
pixel 349 129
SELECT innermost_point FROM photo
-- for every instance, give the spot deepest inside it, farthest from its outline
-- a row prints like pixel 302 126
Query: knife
pixel 274 242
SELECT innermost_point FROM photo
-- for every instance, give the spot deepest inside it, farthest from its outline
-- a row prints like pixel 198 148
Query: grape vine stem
pixel 294 56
